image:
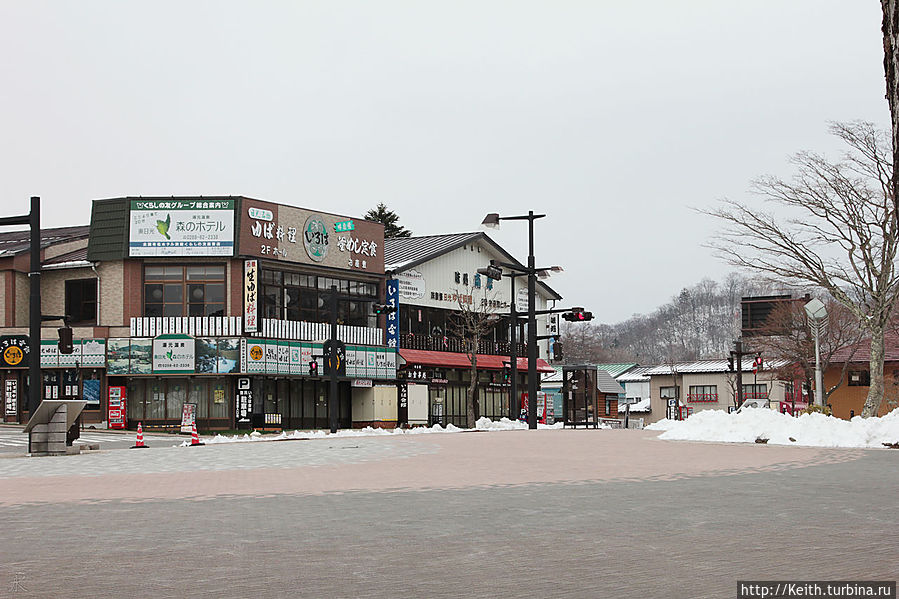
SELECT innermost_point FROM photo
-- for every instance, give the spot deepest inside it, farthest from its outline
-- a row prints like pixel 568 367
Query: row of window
pixel 709 393
pixel 294 296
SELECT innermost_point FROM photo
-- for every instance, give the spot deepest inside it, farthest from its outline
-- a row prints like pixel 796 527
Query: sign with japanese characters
pixel 244 403
pixel 12 397
pixel 186 227
pixel 173 354
pixel 14 350
pixel 392 320
pixel 279 232
pixel 411 284
pixel 250 296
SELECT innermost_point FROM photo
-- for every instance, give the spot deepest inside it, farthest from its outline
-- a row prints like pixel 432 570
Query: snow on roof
pixel 641 406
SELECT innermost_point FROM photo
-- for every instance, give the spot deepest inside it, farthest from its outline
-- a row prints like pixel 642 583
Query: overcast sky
pixel 612 117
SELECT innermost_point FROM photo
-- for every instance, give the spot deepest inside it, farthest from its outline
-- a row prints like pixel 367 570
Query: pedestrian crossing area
pixel 16 438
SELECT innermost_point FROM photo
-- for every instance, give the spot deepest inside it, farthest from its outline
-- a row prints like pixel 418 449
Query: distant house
pixel 636 390
pixel 607 393
pixel 849 399
pixel 688 387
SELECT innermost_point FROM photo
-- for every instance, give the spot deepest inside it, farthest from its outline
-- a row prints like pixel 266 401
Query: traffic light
pixel 507 373
pixel 66 345
pixel 730 363
pixel 491 272
pixel 313 367
pixel 383 308
pixel 577 315
pixel 557 350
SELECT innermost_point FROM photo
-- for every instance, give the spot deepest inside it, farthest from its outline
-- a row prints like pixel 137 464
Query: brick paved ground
pixel 508 514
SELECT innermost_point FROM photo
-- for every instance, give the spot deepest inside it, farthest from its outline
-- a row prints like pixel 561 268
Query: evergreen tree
pixel 390 220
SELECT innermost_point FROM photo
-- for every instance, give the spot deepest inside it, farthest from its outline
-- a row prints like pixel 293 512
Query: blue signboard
pixel 392 327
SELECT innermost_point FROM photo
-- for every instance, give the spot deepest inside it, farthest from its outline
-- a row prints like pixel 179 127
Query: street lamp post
pixel 817 322
pixel 492 220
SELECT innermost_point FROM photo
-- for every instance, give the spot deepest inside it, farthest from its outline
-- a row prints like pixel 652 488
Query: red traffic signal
pixel 577 315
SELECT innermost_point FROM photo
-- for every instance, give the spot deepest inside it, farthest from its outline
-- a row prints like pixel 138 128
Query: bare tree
pixel 471 323
pixel 786 336
pixel 890 30
pixel 837 231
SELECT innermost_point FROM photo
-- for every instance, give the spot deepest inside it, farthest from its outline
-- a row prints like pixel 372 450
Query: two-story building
pixel 221 304
pixel 435 278
pixel 682 388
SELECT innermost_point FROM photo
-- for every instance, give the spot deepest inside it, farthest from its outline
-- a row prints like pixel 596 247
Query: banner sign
pixel 273 356
pixel 195 227
pixel 12 397
pixel 251 296
pixel 244 403
pixel 188 417
pixel 174 354
pixel 14 351
pixel 279 232
pixel 392 326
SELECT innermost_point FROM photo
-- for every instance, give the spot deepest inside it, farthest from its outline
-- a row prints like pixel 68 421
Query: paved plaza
pixel 609 513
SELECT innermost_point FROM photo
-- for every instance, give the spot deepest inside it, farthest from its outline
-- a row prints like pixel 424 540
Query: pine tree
pixel 390 220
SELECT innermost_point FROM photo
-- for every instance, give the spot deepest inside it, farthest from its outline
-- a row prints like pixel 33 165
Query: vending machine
pixel 115 407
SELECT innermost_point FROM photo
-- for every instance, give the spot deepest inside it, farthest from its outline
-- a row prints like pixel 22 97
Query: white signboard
pixel 412 284
pixel 173 354
pixel 186 227
pixel 522 296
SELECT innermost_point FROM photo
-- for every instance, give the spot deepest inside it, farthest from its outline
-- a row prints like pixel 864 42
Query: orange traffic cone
pixel 139 444
pixel 194 438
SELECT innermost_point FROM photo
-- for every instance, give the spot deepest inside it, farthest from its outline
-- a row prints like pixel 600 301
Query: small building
pixel 849 398
pixel 680 389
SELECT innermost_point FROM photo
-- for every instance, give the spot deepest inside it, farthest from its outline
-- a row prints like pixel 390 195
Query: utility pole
pixel 33 219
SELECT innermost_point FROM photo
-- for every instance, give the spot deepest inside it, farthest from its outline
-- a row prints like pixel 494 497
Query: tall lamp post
pixel 817 322
pixel 492 221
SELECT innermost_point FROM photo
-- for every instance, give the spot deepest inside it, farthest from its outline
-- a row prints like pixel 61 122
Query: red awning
pixel 445 359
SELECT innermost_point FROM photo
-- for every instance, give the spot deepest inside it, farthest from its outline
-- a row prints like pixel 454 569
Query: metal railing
pixel 455 344
pixel 702 397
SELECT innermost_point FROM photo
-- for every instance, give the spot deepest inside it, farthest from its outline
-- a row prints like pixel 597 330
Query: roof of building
pixel 861 351
pixel 606 384
pixel 636 375
pixel 644 405
pixel 73 259
pixel 604 381
pixel 617 369
pixel 710 366
pixel 403 253
pixel 17 242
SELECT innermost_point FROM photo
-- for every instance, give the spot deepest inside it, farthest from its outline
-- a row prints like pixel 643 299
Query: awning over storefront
pixel 444 359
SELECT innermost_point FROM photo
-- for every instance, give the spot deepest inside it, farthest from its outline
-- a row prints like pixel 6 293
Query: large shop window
pixel 194 290
pixel 294 296
pixel 81 301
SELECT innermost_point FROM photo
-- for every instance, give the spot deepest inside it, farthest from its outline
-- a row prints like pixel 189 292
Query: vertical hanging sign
pixel 250 296
pixel 392 327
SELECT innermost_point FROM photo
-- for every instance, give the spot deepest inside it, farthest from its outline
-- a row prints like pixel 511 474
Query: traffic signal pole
pixel 33 219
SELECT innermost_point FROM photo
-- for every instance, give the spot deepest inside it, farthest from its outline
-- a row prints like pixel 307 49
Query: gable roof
pixel 403 253
pixel 711 366
pixel 617 369
pixel 636 375
pixel 606 384
pixel 861 351
pixel 17 242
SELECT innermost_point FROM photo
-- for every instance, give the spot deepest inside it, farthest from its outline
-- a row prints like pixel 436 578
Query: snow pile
pixel 483 424
pixel 504 424
pixel 814 430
